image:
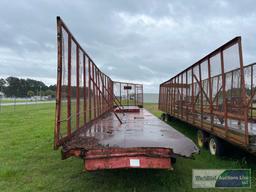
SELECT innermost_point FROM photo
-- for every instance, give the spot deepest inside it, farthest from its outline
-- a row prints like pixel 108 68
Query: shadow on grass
pixel 232 152
pixel 137 180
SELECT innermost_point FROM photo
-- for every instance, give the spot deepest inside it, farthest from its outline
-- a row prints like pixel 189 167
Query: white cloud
pixel 146 20
pixel 146 41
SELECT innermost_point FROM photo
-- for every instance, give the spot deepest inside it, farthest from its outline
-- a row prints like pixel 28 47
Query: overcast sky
pixel 138 41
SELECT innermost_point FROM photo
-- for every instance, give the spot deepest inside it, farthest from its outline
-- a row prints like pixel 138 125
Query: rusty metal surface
pixel 120 158
pixel 217 94
pixel 138 130
pixel 84 93
pixel 127 109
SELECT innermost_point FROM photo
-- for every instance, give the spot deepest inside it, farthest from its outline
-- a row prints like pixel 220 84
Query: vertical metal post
pixel 182 96
pixel 120 94
pixel 90 92
pixel 77 87
pixel 159 98
pixel 192 99
pixel 106 93
pixel 135 95
pixel 201 94
pixel 59 82
pixel 69 85
pixel 210 91
pixel 251 105
pixel 187 94
pixel 243 92
pixel 232 75
pixel 174 98
pixel 224 99
pixel 94 99
pixel 218 90
pixel 127 95
pixel 85 92
pixel 178 96
pixel 102 94
pixel 98 101
pixel 142 95
pixel 96 92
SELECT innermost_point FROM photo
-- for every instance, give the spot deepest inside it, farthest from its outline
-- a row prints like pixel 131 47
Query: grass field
pixel 29 163
pixel 14 100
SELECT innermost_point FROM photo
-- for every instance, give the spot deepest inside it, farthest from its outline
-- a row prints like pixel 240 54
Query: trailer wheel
pixel 216 146
pixel 169 118
pixel 173 160
pixel 201 138
pixel 163 116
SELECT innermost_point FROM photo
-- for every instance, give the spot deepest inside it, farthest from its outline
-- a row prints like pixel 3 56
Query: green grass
pixel 29 163
pixel 21 101
pixel 13 100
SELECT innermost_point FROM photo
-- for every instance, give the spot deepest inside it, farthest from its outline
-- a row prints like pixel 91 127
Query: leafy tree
pixel 52 87
pixel 2 84
pixel 49 92
pixel 13 86
pixel 30 93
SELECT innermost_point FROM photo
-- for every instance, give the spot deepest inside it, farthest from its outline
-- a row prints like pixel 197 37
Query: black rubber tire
pixel 219 146
pixel 202 139
pixel 163 117
pixel 169 118
pixel 173 160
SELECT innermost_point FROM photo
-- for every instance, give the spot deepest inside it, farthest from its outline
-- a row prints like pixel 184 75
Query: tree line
pixel 18 87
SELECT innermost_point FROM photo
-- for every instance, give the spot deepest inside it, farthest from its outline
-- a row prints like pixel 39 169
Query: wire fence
pixel 13 104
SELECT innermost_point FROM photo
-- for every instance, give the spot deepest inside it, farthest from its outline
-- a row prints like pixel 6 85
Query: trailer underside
pixel 141 141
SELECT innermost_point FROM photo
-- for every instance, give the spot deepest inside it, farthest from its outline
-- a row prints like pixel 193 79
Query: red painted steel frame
pixel 213 102
pixel 124 163
pixel 120 158
pixel 81 99
pixel 64 126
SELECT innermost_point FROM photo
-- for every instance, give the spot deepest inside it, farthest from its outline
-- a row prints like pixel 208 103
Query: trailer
pixel 217 96
pixel 103 122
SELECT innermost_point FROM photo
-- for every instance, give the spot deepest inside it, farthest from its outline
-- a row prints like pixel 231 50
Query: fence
pixel 15 104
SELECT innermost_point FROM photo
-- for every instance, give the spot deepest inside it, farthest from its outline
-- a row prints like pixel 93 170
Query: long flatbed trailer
pixel 103 122
pixel 141 141
pixel 217 96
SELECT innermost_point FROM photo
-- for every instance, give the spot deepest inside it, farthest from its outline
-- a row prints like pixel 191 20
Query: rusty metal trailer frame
pixel 90 102
pixel 215 96
pixel 83 92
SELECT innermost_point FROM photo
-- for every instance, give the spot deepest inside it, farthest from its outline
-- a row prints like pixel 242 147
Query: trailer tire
pixel 169 117
pixel 216 146
pixel 163 117
pixel 173 160
pixel 201 138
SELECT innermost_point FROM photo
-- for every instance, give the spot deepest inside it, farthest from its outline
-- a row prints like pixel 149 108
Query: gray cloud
pixel 145 41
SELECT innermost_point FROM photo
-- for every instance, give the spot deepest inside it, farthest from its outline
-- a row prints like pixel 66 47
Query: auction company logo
pixel 221 178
